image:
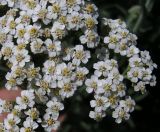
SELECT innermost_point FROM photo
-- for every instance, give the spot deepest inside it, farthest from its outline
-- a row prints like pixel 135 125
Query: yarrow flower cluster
pixel 44 58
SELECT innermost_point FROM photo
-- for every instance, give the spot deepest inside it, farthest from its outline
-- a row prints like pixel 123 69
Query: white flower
pixel 54 106
pixel 73 5
pixel 11 122
pixel 41 13
pixel 26 99
pixel 80 75
pixel 11 3
pixel 67 88
pixel 121 90
pixel 37 46
pixel 7 50
pixel 94 84
pixel 20 58
pixel 91 9
pixel 107 86
pixel 12 82
pixel 122 47
pixel 49 68
pixel 90 22
pixel 128 104
pixel 58 30
pixel 2 102
pixel 74 21
pixel 133 50
pixel 140 86
pixel 68 52
pixel 57 8
pixel 23 20
pixel 32 31
pixel 115 76
pixel 10 26
pixel 33 114
pixel 64 71
pixel 119 114
pixel 101 68
pixel 96 115
pixel 90 38
pixel 146 75
pixel 29 125
pixel 100 103
pixel 3 37
pixel 112 41
pixel 3 2
pixel 135 61
pixel 29 6
pixel 46 83
pixel 32 72
pixel 53 47
pixel 50 123
pixel 134 74
pixel 80 55
pixel 5 106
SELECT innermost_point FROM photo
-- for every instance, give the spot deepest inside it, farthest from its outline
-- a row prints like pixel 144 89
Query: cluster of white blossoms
pixel 41 31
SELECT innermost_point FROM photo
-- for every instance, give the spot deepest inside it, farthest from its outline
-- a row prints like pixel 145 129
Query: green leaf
pixel 149 5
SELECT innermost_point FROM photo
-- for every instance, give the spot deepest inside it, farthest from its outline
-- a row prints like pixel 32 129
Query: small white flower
pixel 26 99
pixel 12 82
pixel 80 75
pixel 5 106
pixel 7 50
pixel 73 5
pixel 135 61
pixel 58 30
pixel 33 114
pixel 101 68
pixel 20 58
pixel 80 55
pixel 128 104
pixel 11 122
pixel 29 125
pixel 74 21
pixel 133 50
pixel 54 106
pixel 140 86
pixel 46 83
pixel 37 46
pixel 94 84
pixel 53 47
pixel 96 115
pixel 119 114
pixel 100 103
pixel 32 31
pixel 90 38
pixel 57 8
pixel 134 74
pixel 67 88
pixel 50 123
pixel 41 13
pixel 49 68
pixel 64 71
pixel 112 41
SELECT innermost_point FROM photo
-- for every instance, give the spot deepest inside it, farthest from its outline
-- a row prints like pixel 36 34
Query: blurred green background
pixel 143 19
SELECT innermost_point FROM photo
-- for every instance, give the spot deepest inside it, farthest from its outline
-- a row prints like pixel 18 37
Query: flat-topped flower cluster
pixel 42 30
